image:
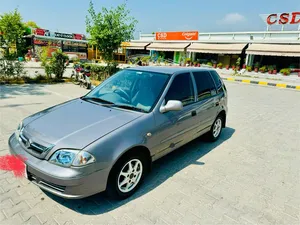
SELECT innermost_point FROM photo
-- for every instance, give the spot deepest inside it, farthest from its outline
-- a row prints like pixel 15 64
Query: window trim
pixel 171 82
pixel 209 74
pixel 222 84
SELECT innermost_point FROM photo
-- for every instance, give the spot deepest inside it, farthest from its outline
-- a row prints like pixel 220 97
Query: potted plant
pixel 256 67
pixel 227 67
pixel 270 69
pixel 238 63
pixel 220 65
pixel 274 69
pixel 233 66
pixel 263 69
pixel 198 63
pixel 249 68
pixel 209 64
pixel 285 71
pixel 187 61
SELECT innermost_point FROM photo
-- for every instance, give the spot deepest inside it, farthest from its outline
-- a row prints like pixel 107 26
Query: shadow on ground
pixel 162 169
pixel 12 91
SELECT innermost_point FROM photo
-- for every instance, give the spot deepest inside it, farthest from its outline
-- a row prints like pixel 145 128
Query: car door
pixel 206 101
pixel 174 126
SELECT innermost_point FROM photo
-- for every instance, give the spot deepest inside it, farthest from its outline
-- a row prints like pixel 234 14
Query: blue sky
pixel 155 15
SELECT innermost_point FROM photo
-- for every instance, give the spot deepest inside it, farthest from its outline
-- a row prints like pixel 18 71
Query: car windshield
pixel 130 89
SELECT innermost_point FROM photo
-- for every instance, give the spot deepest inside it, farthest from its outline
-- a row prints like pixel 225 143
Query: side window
pixel 217 81
pixel 205 85
pixel 181 89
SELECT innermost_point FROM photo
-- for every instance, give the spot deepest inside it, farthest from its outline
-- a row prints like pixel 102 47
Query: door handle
pixel 194 113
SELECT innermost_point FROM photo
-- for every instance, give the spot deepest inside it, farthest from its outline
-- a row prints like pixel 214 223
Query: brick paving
pixel 250 176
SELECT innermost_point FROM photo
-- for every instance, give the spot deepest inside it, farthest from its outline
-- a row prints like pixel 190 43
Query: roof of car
pixel 169 70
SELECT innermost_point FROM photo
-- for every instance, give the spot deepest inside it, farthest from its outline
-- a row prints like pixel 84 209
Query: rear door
pixel 207 100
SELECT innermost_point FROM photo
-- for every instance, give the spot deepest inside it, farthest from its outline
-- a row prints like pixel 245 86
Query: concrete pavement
pixel 249 176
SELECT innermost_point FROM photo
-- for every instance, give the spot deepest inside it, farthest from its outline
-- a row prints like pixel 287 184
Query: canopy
pixel 137 45
pixel 274 50
pixel 217 48
pixel 167 46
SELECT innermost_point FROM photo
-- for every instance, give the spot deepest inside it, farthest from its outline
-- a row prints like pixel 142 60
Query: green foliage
pixel 285 71
pixel 31 24
pixel 257 65
pixel 249 68
pixel 109 28
pixel 209 64
pixel 12 28
pixel 100 73
pixel 220 65
pixel 238 61
pixel 58 63
pixel 270 67
pixel 263 69
pixel 10 69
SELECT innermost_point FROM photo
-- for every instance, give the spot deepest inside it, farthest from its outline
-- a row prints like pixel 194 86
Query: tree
pixel 11 28
pixel 58 63
pixel 31 24
pixel 109 28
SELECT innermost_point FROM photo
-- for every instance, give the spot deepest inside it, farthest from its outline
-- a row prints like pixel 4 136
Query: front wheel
pixel 216 129
pixel 74 79
pixel 126 176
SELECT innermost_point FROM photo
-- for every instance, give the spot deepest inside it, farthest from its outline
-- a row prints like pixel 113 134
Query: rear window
pixel 217 81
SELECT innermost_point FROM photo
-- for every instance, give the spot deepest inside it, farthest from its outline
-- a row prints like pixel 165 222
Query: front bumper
pixel 68 183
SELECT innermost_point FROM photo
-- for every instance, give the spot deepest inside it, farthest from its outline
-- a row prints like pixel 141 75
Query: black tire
pixel 113 191
pixel 74 79
pixel 211 135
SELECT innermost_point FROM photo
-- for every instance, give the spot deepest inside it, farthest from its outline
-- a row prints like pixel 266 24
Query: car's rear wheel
pixel 126 176
pixel 216 129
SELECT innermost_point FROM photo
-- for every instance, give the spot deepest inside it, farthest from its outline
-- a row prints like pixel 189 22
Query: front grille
pixel 44 183
pixel 38 148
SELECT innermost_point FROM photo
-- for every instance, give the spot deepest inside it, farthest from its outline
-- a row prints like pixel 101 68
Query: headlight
pixel 83 158
pixel 67 158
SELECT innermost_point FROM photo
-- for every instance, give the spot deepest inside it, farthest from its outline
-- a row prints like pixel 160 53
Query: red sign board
pixel 177 36
pixel 283 18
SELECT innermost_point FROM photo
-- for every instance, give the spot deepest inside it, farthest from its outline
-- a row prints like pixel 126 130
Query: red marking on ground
pixel 13 163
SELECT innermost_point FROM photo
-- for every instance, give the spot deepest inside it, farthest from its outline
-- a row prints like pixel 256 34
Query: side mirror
pixel 172 105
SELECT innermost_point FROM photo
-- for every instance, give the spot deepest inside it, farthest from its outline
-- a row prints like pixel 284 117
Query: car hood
pixel 75 124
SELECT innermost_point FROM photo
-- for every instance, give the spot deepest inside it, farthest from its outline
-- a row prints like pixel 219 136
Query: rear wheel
pixel 126 176
pixel 216 129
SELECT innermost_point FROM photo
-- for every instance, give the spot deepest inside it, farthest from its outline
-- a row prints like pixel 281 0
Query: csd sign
pixel 283 18
pixel 177 36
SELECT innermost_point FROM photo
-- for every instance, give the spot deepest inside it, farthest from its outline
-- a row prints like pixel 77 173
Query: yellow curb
pixel 281 85
pixel 263 83
pixel 246 81
pixel 231 79
pixel 297 87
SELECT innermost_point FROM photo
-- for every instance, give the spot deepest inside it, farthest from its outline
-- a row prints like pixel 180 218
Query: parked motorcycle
pixel 81 76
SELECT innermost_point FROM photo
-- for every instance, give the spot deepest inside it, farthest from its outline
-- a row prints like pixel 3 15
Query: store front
pixel 74 45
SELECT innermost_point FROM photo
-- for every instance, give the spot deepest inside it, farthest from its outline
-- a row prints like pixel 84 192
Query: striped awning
pixel 137 45
pixel 274 50
pixel 167 46
pixel 217 48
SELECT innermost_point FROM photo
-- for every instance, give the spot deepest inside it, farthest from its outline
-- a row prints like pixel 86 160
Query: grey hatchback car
pixel 108 139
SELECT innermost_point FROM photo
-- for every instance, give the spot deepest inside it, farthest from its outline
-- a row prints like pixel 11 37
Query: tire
pixel 74 79
pixel 115 189
pixel 216 129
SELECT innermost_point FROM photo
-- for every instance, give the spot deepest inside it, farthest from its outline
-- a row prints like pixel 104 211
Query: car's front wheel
pixel 126 176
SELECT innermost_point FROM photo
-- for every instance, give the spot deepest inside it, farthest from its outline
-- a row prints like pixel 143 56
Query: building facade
pixel 279 48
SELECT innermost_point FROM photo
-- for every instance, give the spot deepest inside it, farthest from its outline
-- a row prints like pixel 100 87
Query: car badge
pixel 28 143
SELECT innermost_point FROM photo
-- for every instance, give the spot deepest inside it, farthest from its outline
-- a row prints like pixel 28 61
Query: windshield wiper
pixel 100 100
pixel 129 107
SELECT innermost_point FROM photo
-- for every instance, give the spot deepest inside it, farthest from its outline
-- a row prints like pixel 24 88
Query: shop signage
pixel 73 43
pixel 47 33
pixel 283 18
pixel 177 36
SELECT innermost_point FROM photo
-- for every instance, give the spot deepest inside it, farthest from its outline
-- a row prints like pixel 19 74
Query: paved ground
pixel 250 176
